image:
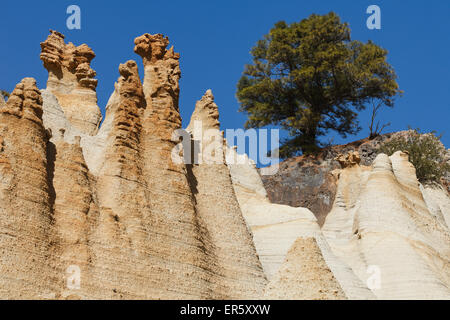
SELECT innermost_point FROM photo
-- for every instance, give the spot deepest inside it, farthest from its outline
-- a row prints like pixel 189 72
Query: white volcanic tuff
pixel 438 202
pixel 380 219
pixel 279 230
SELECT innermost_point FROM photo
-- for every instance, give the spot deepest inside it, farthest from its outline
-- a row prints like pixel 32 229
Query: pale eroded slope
pixel 294 254
pixel 380 220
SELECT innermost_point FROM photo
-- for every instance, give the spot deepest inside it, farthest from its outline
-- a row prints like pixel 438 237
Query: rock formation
pixel 109 203
pixel 141 209
pixel 282 234
pixel 304 182
pixel 380 221
pixel 438 202
pixel 25 197
pixel 309 181
pixel 71 80
pixel 348 160
pixel 181 238
pixel 74 214
pixel 305 275
pixel 232 243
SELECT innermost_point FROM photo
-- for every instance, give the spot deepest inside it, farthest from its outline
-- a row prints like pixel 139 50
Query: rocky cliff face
pixel 110 203
pixel 296 258
pixel 380 219
pixel 304 182
pixel 308 181
pixel 110 213
pixel 385 237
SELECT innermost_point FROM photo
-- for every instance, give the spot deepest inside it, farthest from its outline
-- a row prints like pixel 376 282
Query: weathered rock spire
pixel 26 266
pixel 71 80
pixel 172 203
pixel 232 242
pixel 161 75
pixel 207 112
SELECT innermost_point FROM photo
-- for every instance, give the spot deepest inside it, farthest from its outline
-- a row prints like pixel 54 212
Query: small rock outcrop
pixel 348 160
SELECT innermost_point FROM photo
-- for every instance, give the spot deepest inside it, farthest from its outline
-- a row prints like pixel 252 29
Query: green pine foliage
pixel 426 153
pixel 309 78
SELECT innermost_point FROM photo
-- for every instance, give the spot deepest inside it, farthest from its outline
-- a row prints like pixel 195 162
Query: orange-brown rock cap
pixel 58 56
pixel 52 50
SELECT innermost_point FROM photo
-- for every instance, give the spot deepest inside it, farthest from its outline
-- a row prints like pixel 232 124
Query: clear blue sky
pixel 215 37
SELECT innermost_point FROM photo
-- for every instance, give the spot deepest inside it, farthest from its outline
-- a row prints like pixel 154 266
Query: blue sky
pixel 215 37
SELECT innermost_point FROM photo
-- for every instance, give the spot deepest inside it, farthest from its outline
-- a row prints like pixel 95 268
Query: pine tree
pixel 310 77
